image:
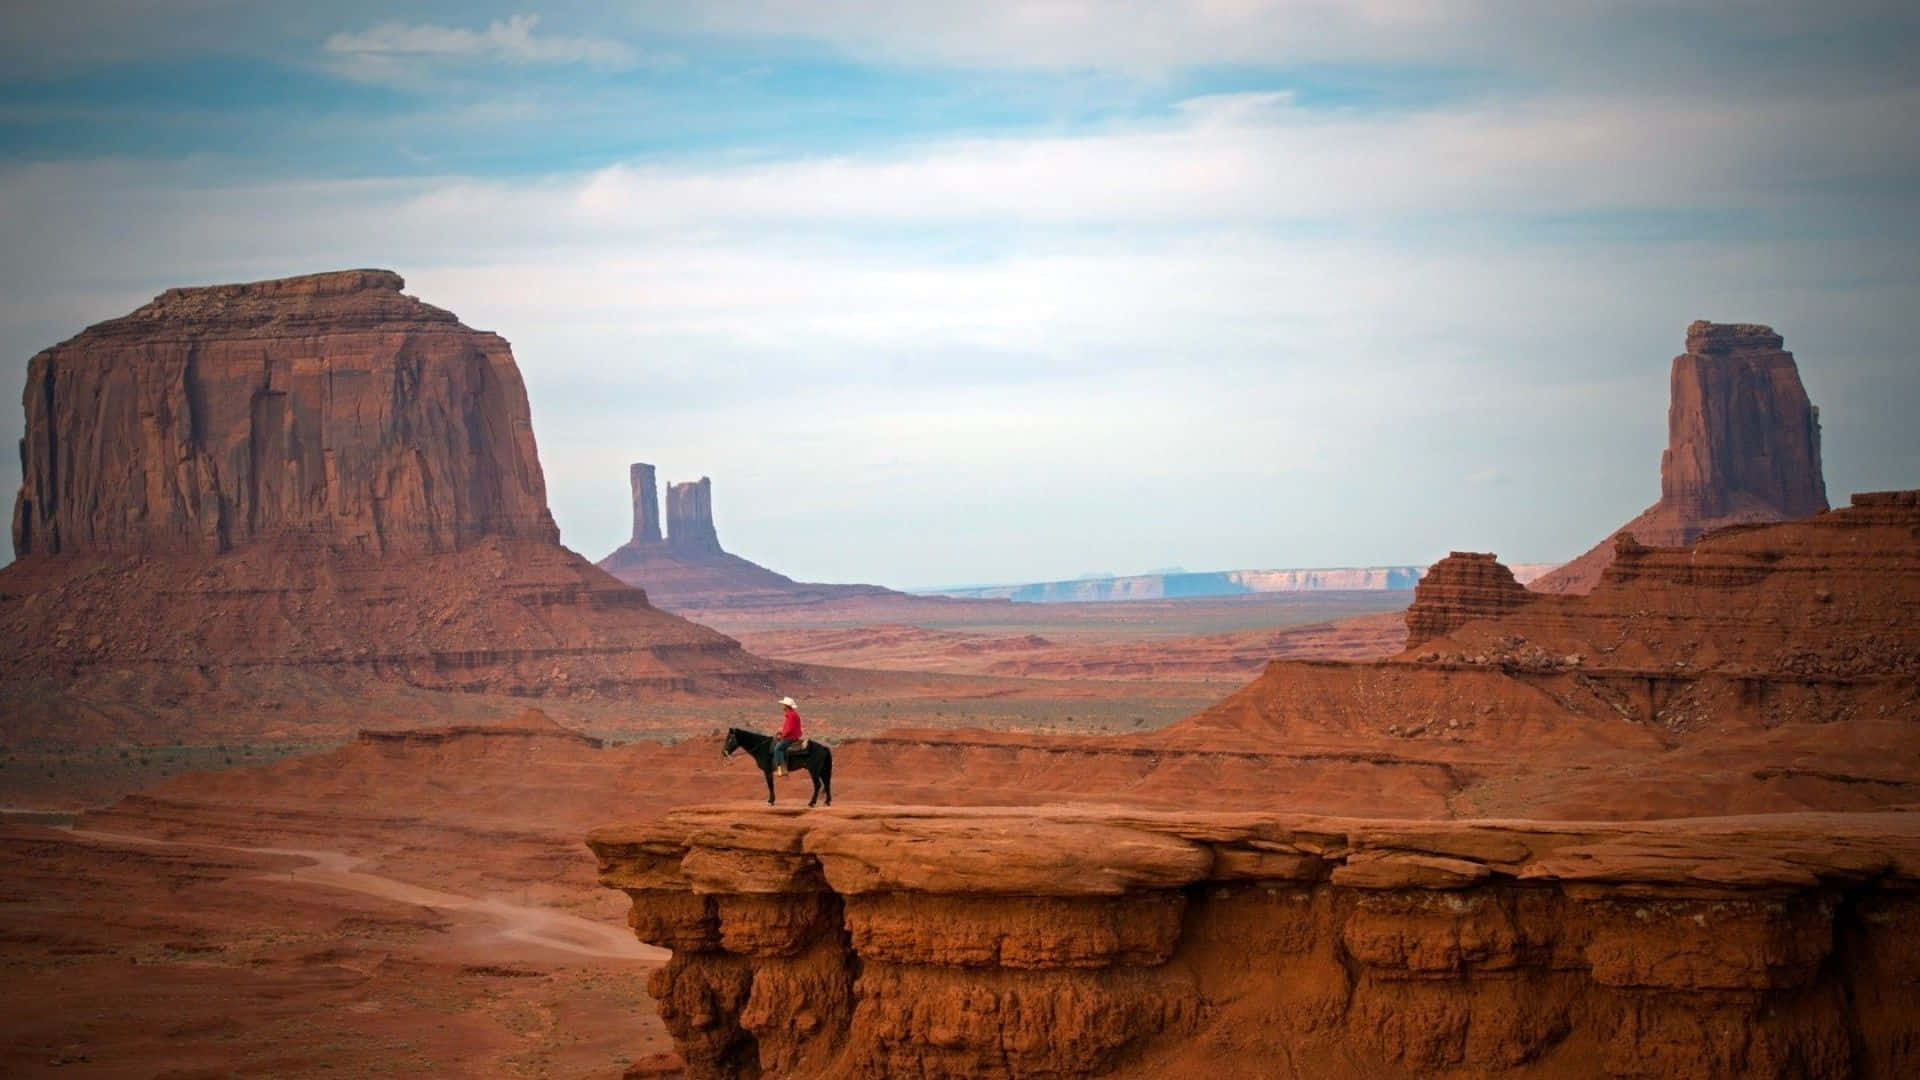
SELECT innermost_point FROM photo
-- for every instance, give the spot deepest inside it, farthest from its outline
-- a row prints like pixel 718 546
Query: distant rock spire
pixel 1743 446
pixel 646 504
pixel 1740 430
pixel 690 516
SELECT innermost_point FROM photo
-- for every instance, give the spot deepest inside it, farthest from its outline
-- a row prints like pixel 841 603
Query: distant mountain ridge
pixel 1210 583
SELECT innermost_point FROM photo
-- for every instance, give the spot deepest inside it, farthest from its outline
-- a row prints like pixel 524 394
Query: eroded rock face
pixel 1748 634
pixel 1743 446
pixel 330 408
pixel 891 941
pixel 1465 585
pixel 646 504
pixel 1741 433
pixel 314 476
pixel 690 516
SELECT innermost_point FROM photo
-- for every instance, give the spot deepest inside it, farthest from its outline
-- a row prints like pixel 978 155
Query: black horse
pixel 817 759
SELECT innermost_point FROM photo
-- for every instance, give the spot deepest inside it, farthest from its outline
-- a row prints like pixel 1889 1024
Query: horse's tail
pixel 826 762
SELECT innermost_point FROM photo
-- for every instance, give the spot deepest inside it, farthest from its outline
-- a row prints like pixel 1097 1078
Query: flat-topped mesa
pixel 1743 446
pixel 330 409
pixel 1463 586
pixel 690 517
pixel 646 504
pixel 1053 941
pixel 319 478
pixel 1741 434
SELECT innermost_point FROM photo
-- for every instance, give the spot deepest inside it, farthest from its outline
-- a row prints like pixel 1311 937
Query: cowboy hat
pixel 788 702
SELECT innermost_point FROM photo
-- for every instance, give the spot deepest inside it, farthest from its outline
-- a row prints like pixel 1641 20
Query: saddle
pixel 800 746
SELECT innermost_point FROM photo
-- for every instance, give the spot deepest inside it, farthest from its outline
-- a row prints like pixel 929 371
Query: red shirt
pixel 791 728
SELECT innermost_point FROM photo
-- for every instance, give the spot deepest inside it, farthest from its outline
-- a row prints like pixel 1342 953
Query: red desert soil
pixel 128 957
pixel 1542 712
pixel 430 925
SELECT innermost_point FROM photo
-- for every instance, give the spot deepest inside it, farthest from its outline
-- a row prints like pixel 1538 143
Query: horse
pixel 817 759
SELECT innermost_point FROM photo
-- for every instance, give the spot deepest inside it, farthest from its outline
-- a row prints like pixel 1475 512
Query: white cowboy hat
pixel 788 702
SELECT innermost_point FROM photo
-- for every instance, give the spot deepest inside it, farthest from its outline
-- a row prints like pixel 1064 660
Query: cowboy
pixel 789 734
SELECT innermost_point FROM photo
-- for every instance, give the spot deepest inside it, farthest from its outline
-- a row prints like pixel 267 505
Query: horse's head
pixel 733 743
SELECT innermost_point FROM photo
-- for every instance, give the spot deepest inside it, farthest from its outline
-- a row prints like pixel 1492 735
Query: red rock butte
pixel 330 408
pixel 687 570
pixel 315 472
pixel 1743 446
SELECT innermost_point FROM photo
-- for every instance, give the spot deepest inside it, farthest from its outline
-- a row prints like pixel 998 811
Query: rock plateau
pixel 902 941
pixel 316 474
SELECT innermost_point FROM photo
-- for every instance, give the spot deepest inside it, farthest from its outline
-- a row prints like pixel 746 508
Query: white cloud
pixel 1240 308
pixel 389 45
pixel 1573 40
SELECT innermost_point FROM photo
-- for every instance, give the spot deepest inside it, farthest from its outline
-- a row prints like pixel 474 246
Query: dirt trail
pixel 517 922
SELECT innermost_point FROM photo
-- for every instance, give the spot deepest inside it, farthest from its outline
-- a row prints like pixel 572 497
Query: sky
pixel 942 294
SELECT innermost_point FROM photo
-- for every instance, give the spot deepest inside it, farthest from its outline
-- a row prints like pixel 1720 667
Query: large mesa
pixel 1743 446
pixel 331 409
pixel 314 473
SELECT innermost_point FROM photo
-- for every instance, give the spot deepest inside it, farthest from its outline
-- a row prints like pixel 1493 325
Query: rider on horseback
pixel 789 734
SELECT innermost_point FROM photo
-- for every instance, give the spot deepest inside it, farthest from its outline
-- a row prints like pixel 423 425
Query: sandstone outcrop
pixel 315 474
pixel 646 504
pixel 1463 586
pixel 1790 649
pixel 1058 941
pixel 688 571
pixel 331 408
pixel 1743 446
pixel 690 517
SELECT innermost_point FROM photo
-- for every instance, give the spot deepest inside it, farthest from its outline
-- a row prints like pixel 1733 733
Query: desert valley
pixel 1022 540
pixel 323 756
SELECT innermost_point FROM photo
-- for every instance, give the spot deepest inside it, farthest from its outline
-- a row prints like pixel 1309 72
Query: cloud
pixel 1589 43
pixel 387 47
pixel 1294 327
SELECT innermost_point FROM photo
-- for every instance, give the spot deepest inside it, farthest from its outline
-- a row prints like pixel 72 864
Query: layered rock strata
pixel 1743 446
pixel 316 473
pixel 688 571
pixel 1055 941
pixel 330 408
pixel 1752 633
pixel 1463 586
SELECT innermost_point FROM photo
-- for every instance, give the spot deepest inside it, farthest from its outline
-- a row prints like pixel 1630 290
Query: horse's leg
pixel 768 773
pixel 827 781
pixel 816 784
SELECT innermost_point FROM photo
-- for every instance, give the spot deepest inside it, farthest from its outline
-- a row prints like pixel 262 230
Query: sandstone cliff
pixel 1752 655
pixel 1463 586
pixel 688 571
pixel 314 474
pixel 897 941
pixel 646 504
pixel 690 517
pixel 1743 446
pixel 331 408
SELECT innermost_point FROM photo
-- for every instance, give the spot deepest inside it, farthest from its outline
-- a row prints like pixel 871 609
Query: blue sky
pixel 960 293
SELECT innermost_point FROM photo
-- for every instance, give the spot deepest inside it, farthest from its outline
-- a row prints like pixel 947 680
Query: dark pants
pixel 780 752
